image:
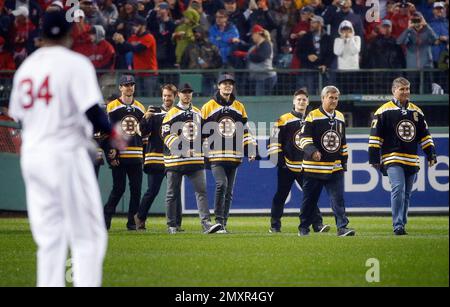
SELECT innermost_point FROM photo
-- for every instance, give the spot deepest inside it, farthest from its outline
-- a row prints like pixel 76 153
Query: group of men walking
pixel 178 140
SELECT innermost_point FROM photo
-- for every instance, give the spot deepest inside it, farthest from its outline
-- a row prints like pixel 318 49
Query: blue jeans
pixel 312 187
pixel 401 186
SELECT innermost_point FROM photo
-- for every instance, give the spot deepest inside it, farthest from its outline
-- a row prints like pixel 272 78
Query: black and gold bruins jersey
pixel 128 116
pixel 229 138
pixel 182 133
pixel 325 134
pixel 152 138
pixel 284 143
pixel 396 131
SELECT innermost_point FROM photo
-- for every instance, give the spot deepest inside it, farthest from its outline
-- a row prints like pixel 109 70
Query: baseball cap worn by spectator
pixel 226 77
pixel 386 23
pixel 21 11
pixel 164 6
pixel 186 88
pixel 55 25
pixel 318 19
pixel 139 21
pixel 126 79
pixel 307 9
pixel 257 29
pixel 438 5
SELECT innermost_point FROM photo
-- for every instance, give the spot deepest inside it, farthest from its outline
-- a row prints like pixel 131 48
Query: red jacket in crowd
pixel 145 59
pixel 102 55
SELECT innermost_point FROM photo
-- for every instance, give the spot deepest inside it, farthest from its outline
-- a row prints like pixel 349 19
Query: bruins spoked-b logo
pixel 331 141
pixel 297 139
pixel 227 127
pixel 189 131
pixel 406 130
pixel 130 125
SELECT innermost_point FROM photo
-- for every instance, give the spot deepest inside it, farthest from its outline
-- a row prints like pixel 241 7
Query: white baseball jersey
pixel 52 90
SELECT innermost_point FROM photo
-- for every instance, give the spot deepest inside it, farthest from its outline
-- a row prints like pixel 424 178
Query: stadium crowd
pixel 256 34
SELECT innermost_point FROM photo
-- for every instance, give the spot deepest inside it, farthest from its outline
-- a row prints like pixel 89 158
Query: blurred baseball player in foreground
pixel 55 96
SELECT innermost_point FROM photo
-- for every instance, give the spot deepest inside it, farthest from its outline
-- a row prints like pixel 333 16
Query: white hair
pixel 329 89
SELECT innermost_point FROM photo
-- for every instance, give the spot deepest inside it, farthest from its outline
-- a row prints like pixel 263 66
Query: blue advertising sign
pixel 365 188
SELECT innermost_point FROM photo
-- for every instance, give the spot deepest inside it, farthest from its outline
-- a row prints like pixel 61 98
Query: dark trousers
pixel 225 177
pixel 120 173
pixel 285 180
pixel 312 187
pixel 154 181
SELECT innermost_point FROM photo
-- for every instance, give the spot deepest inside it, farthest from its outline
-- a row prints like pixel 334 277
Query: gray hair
pixel 329 89
pixel 400 81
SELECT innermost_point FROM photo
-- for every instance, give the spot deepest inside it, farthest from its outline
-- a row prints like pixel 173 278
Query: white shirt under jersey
pixel 52 90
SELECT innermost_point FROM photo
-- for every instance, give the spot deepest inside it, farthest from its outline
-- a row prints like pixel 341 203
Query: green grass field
pixel 250 256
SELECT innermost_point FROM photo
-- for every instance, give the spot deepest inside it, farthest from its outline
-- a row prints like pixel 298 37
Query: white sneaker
pixel 172 230
pixel 223 230
pixel 212 228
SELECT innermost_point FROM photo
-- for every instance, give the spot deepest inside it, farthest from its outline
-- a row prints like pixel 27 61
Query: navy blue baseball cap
pixel 186 88
pixel 126 79
pixel 55 25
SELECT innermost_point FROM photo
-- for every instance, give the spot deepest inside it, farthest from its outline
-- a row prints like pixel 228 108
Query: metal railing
pixel 361 82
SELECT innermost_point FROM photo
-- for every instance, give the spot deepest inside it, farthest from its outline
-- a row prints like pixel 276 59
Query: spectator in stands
pixel 261 15
pixel 162 27
pixel 339 11
pixel 6 57
pixel 443 60
pixel 316 53
pixel 286 17
pixel 303 25
pixel 21 32
pixel 347 47
pixel 400 17
pixel 212 6
pixel 440 26
pixel 318 7
pixel 383 51
pixel 143 46
pixel 110 13
pixel 236 17
pixel 183 34
pixel 81 33
pixel 127 16
pixel 224 35
pixel 204 18
pixel 93 15
pixel 418 39
pixel 143 7
pixel 203 55
pixel 175 10
pixel 260 57
pixel 102 55
pixel 426 8
pixel 298 31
